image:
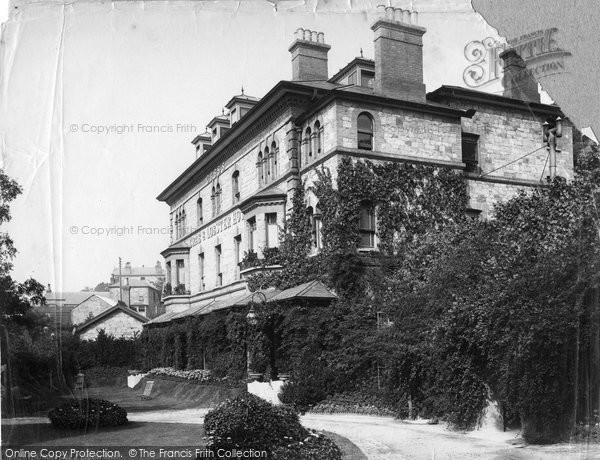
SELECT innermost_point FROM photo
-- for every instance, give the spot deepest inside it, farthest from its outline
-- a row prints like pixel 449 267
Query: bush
pixel 82 413
pixel 249 422
pixel 301 395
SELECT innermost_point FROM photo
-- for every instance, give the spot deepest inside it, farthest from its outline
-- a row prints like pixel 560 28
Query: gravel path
pixel 386 438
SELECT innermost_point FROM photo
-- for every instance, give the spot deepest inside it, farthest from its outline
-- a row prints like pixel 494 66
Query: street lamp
pixel 552 131
pixel 251 318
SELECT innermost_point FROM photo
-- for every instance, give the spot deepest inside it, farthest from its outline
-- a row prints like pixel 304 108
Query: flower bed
pixel 196 376
pixel 193 374
pixel 354 403
pixel 83 413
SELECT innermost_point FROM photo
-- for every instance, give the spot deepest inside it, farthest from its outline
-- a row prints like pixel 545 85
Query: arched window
pixel 267 160
pixel 183 223
pixel 199 212
pixel 315 227
pixel 259 168
pixel 365 131
pixel 213 201
pixel 275 155
pixel 366 225
pixel 235 187
pixel 218 195
pixel 309 146
pixel 318 140
pixel 317 224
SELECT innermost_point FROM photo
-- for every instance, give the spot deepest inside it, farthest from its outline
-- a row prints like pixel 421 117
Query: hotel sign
pixel 216 228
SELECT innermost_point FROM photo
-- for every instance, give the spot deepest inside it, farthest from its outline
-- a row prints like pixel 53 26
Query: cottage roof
pixel 119 308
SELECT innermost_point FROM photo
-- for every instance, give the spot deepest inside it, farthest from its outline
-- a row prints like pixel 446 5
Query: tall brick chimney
pixel 517 80
pixel 309 56
pixel 398 54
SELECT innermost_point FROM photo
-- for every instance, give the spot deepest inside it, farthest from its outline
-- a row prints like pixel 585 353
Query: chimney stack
pixel 309 56
pixel 398 54
pixel 517 81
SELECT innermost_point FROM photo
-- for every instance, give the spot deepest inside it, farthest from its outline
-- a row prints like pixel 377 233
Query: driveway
pixel 386 438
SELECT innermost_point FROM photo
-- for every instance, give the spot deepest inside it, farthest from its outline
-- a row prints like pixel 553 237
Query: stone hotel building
pixel 234 197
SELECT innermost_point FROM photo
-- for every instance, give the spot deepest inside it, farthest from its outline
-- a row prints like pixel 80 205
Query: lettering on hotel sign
pixel 216 228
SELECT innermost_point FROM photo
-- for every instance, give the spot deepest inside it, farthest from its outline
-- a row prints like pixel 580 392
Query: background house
pixel 117 321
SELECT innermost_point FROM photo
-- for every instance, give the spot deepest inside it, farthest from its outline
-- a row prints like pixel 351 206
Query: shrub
pixel 82 413
pixel 249 422
pixel 301 395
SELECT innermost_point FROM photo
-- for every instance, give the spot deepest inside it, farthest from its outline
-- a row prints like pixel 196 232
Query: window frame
pixel 370 229
pixel 360 131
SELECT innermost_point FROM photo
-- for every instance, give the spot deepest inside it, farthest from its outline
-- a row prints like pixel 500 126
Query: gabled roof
pixel 313 290
pixel 70 298
pixel 119 308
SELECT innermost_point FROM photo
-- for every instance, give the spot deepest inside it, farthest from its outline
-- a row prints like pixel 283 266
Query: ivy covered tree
pixel 496 309
pixel 16 298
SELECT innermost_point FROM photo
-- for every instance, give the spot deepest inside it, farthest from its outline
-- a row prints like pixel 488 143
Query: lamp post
pixel 552 131
pixel 252 320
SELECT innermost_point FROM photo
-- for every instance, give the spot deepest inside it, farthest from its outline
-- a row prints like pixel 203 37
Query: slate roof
pixel 70 298
pixel 313 290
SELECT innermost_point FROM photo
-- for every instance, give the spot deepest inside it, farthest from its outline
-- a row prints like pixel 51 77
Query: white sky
pixel 153 63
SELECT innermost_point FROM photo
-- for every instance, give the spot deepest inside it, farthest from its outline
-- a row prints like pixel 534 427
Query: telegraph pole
pixel 120 282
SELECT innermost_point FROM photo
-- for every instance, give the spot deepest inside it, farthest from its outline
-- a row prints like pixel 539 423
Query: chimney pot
pixel 309 56
pixel 406 17
pixel 398 14
pixel 414 18
pixel 381 11
pixel 389 13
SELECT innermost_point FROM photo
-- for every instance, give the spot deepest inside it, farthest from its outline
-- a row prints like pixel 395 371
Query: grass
pixel 133 434
pixel 166 395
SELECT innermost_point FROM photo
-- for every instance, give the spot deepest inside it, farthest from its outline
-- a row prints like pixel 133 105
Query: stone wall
pixel 404 132
pixel 119 324
pixel 507 134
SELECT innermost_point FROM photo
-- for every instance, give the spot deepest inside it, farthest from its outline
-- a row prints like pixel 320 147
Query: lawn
pixel 166 395
pixel 132 434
